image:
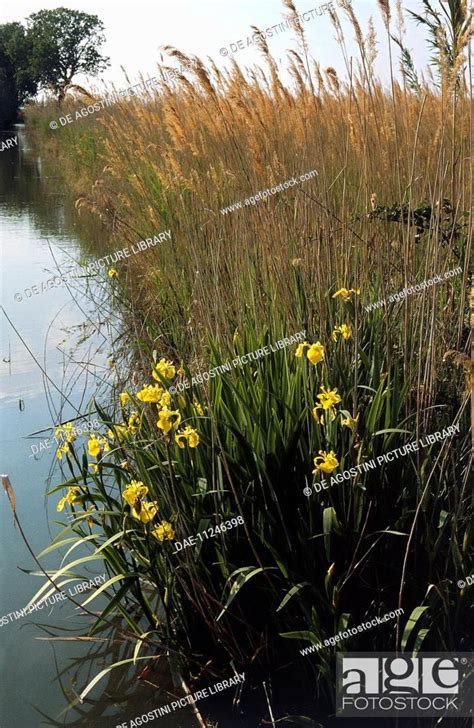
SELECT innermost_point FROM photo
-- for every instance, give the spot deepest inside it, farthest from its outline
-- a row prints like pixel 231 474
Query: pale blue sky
pixel 135 30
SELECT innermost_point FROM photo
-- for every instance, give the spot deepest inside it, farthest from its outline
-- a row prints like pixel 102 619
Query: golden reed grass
pixel 201 142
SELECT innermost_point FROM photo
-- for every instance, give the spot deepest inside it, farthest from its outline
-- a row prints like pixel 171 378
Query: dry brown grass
pixel 205 141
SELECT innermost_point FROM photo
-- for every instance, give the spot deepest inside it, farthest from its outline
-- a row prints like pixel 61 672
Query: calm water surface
pixel 55 345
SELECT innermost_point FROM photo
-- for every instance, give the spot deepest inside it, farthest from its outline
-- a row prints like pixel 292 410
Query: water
pixel 55 345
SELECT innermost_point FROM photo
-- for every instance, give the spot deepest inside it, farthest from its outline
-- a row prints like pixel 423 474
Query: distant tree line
pixel 46 53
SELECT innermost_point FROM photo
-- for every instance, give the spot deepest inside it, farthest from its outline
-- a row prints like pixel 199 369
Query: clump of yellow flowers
pixel 169 419
pixel 155 394
pixel 145 511
pixel 142 510
pixel 324 410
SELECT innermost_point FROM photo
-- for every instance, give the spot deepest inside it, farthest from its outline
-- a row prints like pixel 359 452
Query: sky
pixel 135 31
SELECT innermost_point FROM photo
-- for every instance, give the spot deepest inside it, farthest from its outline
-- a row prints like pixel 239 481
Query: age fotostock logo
pixel 372 685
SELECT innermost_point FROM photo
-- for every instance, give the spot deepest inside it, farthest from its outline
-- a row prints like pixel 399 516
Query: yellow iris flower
pixel 328 397
pixel 189 434
pixel 350 422
pixel 163 532
pixel 345 294
pixel 124 398
pixel 344 330
pixel 70 497
pixel 164 419
pixel 95 445
pixel 325 461
pixel 133 422
pixel 145 512
pixel 315 353
pixel 150 393
pixel 134 492
pixel 299 353
pixel 165 368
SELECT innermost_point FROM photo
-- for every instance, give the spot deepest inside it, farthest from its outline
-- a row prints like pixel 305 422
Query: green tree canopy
pixel 64 43
pixel 17 80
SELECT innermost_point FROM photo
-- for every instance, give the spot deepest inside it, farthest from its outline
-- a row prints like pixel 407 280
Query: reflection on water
pixel 121 695
pixel 55 345
pixel 54 348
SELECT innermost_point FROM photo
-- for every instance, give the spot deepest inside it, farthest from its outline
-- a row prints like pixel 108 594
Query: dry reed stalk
pixel 194 148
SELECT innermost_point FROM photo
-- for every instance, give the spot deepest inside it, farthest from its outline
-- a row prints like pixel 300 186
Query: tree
pixel 64 43
pixel 17 80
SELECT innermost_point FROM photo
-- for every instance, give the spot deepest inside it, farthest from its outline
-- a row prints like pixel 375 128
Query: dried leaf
pixel 10 493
